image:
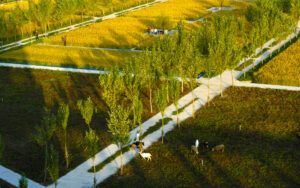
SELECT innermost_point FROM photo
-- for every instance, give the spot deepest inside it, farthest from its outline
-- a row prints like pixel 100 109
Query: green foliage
pixel 138 105
pixel 119 124
pixel 265 147
pixel 87 110
pixel 163 22
pixel 45 131
pixel 160 97
pixel 161 102
pixel 175 91
pixel 112 85
pixel 63 115
pixel 23 182
pixel 2 146
pixel 92 143
pixel 53 165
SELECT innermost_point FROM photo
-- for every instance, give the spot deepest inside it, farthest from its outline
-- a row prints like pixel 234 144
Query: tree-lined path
pixel 80 177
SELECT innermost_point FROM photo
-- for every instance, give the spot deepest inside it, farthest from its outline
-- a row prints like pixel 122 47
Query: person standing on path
pixel 137 136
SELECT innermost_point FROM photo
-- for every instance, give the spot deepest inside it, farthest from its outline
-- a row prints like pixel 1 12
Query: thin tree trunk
pixel 193 103
pixel 150 94
pixel 178 123
pixel 168 92
pixel 221 85
pixel 134 117
pixel 232 78
pixel 95 181
pixel 162 129
pixel 121 162
pixel 66 150
pixel 208 96
pixel 45 167
pixel 181 85
pixel 141 128
pixel 244 69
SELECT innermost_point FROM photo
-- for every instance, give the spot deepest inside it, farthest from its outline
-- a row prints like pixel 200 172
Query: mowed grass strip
pixel 67 57
pixel 264 153
pixel 283 69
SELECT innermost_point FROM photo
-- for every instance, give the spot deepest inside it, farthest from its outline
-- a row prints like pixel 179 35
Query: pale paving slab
pixel 267 86
pixel 13 178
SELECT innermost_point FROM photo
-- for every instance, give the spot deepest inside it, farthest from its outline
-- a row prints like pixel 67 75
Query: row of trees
pixel 44 14
pixel 218 45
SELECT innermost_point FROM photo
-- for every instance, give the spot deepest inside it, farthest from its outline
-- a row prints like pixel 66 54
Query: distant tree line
pixel 44 15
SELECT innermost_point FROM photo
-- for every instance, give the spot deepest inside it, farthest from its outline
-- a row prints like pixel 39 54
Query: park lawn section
pixel 68 57
pixel 264 153
pixel 129 30
pixel 120 33
pixel 184 9
pixel 23 95
pixel 283 69
pixel 23 4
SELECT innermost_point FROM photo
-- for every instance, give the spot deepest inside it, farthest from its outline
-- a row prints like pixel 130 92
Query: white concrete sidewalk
pixel 13 178
pixel 266 86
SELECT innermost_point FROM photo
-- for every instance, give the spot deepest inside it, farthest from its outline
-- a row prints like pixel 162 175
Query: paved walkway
pixel 94 48
pixel 80 177
pixel 13 178
pixel 266 86
pixel 76 26
pixel 52 68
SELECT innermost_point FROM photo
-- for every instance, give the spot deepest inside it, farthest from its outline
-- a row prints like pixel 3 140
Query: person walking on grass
pixel 36 34
pixel 65 40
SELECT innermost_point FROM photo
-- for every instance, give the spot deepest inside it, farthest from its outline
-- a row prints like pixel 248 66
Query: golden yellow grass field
pixel 44 55
pixel 22 4
pixel 283 69
pixel 128 31
pixel 184 9
pixel 120 32
pixel 123 32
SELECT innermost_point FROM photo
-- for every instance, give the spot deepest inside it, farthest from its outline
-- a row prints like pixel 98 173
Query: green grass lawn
pixel 265 153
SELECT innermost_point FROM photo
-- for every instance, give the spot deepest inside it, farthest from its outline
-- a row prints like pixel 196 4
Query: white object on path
pixel 80 177
pixel 217 9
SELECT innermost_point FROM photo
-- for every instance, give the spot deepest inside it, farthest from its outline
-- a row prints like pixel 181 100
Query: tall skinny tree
pixel 62 117
pixel 161 102
pixel 87 110
pixel 92 143
pixel 53 167
pixel 44 133
pixel 174 93
pixel 138 105
pixel 119 125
